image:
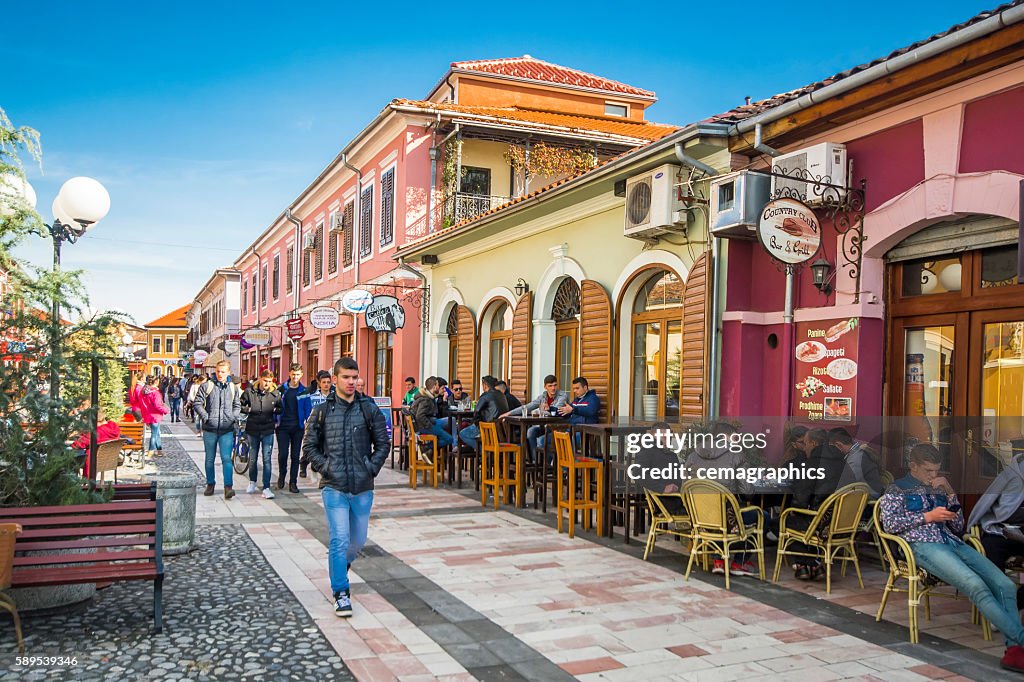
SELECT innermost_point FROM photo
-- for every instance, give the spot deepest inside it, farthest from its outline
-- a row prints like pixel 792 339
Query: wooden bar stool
pixel 419 460
pixel 579 474
pixel 496 461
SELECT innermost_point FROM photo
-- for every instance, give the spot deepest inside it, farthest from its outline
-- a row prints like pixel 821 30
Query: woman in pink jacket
pixel 153 410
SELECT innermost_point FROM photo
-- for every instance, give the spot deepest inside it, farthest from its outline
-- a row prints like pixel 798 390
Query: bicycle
pixel 240 450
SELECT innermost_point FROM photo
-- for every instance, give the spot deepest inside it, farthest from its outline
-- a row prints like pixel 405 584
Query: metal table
pixel 454 417
pixel 399 438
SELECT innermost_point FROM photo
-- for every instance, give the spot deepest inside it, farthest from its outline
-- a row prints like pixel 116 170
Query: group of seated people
pixel 431 403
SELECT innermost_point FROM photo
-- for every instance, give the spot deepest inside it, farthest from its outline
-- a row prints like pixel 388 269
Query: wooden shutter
pixel 596 342
pixel 694 359
pixel 332 245
pixel 467 350
pixel 522 334
pixel 276 285
pixel 289 276
pixel 387 208
pixel 318 253
pixel 347 225
pixel 366 222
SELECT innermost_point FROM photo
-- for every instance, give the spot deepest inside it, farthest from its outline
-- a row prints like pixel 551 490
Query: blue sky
pixel 205 120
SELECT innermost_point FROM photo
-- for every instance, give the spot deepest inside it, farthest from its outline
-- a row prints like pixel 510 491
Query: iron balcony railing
pixel 462 206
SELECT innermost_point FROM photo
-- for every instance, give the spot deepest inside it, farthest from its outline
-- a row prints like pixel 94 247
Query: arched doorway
pixel 565 312
pixel 657 343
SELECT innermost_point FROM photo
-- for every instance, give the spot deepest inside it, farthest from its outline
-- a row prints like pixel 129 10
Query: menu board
pixel 825 386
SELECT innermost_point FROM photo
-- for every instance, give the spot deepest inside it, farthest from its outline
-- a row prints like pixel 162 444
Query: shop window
pixel 928 277
pixel 657 346
pixel 999 267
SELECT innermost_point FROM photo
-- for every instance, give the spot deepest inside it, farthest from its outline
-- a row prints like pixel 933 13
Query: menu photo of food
pixel 838 409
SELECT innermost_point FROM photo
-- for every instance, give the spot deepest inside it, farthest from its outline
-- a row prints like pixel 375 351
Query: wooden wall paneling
pixel 596 342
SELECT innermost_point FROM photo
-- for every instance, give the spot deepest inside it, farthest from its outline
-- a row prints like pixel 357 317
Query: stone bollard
pixel 178 491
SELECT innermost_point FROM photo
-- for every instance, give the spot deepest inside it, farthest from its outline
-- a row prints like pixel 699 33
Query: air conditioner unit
pixel 653 207
pixel 309 241
pixel 825 161
pixel 736 203
pixel 336 224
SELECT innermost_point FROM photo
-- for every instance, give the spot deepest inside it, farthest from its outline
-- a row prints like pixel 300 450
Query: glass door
pixel 566 343
pixel 996 396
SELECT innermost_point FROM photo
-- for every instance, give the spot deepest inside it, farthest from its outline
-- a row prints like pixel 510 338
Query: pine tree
pixel 36 464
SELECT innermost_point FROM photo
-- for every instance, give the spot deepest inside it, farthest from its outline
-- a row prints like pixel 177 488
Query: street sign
pixel 200 356
pixel 385 314
pixel 234 337
pixel 257 336
pixel 324 317
pixel 789 231
pixel 296 328
pixel 356 300
pixel 230 347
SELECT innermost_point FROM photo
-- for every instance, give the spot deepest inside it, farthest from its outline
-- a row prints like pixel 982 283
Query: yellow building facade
pixel 165 337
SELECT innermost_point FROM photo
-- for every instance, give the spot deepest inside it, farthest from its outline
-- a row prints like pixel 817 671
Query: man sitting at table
pixel 489 407
pixel 548 403
pixel 513 402
pixel 424 411
pixel 863 462
pixel 922 509
pixel 458 396
pixel 1000 513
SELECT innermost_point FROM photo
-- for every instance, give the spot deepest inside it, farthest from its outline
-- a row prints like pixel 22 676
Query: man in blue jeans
pixel 261 402
pixel 346 442
pixel 218 406
pixel 922 509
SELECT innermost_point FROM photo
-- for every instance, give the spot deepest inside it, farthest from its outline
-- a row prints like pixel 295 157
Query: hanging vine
pixel 544 159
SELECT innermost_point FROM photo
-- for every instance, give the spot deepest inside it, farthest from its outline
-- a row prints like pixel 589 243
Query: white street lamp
pixel 13 188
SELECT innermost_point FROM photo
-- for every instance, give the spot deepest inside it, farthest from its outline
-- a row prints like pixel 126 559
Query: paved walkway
pixel 448 589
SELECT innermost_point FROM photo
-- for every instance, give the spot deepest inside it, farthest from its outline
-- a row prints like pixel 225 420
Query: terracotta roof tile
pixel 528 68
pixel 175 318
pixel 521 116
pixel 745 111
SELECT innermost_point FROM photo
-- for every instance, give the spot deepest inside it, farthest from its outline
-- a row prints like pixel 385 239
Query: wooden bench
pixel 115 541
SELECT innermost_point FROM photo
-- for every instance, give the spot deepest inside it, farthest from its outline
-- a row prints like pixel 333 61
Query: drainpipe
pixel 759 144
pixel 259 302
pixel 433 189
pixel 423 329
pixel 448 80
pixel 355 245
pixel 787 343
pixel 296 271
pixel 716 286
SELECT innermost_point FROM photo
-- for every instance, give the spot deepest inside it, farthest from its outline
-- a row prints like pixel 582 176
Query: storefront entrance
pixel 956 361
pixel 565 311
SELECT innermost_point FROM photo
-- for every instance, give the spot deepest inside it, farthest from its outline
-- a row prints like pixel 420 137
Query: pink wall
pixel 981 149
pixel 892 161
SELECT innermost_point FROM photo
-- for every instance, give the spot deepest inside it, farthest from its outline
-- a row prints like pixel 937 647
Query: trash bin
pixel 178 491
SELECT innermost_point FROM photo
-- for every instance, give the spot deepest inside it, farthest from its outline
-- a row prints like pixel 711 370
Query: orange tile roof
pixel 528 68
pixel 521 116
pixel 172 319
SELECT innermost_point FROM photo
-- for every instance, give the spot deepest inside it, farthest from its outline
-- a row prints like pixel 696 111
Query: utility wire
pixel 177 246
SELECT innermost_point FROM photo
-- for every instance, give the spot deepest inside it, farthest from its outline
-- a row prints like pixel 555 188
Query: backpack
pixel 321 417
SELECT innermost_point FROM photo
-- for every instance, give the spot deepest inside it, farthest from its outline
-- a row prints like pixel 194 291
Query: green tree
pixel 36 463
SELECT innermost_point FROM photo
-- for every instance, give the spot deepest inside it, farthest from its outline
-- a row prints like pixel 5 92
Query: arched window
pixel 657 323
pixel 565 311
pixel 500 339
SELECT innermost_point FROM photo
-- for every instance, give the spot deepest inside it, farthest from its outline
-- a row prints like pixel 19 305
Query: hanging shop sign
pixel 200 356
pixel 234 337
pixel 356 300
pixel 385 314
pixel 256 336
pixel 826 370
pixel 296 328
pixel 789 231
pixel 324 317
pixel 230 347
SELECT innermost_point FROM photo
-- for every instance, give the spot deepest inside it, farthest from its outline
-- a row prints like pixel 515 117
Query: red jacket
pixel 106 431
pixel 153 408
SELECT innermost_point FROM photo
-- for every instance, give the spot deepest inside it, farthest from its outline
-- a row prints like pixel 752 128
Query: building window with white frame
pixel 332 244
pixel 318 253
pixel 156 344
pixel 366 222
pixel 263 286
pixel 275 284
pixel 616 109
pixel 289 270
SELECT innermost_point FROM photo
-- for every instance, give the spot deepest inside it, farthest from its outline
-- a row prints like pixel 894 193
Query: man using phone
pixel 922 509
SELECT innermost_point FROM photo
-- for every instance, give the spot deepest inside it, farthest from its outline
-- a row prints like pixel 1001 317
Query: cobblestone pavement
pixel 447 589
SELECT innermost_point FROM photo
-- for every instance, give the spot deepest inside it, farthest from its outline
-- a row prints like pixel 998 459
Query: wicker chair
pixel 423 455
pixel 664 522
pixel 899 559
pixel 8 534
pixel 107 456
pixel 717 520
pixel 831 531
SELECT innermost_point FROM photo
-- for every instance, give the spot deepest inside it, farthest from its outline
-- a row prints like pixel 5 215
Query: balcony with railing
pixel 461 206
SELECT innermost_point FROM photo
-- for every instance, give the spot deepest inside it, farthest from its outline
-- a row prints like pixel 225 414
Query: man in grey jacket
pixel 218 405
pixel 346 442
pixel 548 403
pixel 1000 513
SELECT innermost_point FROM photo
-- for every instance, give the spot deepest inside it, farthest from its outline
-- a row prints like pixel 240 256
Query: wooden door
pixel 567 353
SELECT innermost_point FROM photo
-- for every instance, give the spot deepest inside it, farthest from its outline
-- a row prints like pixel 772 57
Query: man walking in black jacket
pixel 262 403
pixel 346 441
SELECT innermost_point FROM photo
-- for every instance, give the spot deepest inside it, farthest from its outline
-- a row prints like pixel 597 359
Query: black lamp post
pixel 821 271
pixel 521 287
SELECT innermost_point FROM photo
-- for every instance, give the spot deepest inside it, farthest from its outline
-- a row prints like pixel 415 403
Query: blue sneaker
pixel 342 605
